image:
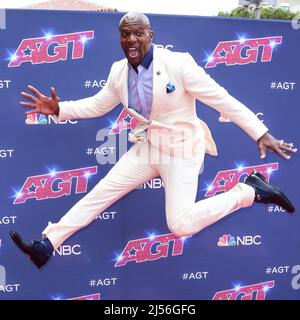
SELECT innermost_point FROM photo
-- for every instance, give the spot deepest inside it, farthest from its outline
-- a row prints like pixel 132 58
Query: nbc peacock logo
pixel 36 118
pixel 226 240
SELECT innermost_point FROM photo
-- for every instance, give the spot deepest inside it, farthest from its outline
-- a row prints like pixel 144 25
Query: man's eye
pixel 139 34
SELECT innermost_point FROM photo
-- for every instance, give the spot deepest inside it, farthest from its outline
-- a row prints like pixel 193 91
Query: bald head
pixel 132 17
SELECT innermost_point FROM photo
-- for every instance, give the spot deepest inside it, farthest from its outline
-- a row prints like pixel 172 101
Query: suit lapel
pixel 159 84
pixel 123 84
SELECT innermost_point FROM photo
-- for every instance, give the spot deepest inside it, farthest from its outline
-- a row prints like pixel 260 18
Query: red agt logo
pixel 95 296
pixel 151 248
pixel 50 49
pixel 253 292
pixel 54 185
pixel 124 122
pixel 227 179
pixel 243 51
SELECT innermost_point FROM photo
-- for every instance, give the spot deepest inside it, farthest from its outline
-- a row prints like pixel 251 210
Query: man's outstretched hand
pixel 41 103
pixel 268 142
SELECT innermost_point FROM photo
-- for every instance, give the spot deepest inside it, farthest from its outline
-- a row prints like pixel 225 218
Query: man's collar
pixel 148 58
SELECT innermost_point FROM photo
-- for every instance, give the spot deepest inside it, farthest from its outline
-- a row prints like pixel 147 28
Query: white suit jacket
pixel 173 125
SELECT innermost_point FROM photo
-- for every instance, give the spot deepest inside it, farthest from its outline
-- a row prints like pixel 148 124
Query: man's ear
pixel 151 35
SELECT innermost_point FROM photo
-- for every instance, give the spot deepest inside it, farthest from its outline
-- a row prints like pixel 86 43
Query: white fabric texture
pixel 180 177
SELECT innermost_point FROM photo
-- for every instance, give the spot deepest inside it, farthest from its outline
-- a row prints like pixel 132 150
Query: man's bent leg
pixel 205 212
pixel 128 173
pixel 184 216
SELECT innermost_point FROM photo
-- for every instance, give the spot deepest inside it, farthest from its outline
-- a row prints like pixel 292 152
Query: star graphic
pixel 132 252
pixel 27 52
pixel 128 119
pixel 221 183
pixel 32 188
pixel 223 53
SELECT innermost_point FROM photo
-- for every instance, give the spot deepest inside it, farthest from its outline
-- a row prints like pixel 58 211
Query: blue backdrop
pixel 128 251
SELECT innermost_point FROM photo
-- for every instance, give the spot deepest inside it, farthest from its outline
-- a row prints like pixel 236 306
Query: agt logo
pixel 37 118
pixel 252 292
pixel 95 296
pixel 103 282
pixel 94 83
pixel 5 84
pixel 54 184
pixel 8 220
pixel 124 122
pixel 6 153
pixel 227 179
pixel 107 215
pixel 10 287
pixel 227 240
pixel 50 48
pixel 243 51
pixel 150 249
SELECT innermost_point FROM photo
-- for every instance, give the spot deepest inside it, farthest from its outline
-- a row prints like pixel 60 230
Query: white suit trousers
pixel 180 178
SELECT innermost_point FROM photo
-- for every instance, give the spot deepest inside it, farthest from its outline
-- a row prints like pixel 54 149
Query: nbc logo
pixel 227 240
pixel 36 118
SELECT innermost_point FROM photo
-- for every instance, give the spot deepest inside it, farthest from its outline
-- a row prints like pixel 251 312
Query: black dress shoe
pixel 37 251
pixel 266 193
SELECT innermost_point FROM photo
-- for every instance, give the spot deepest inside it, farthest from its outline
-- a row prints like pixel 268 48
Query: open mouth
pixel 132 52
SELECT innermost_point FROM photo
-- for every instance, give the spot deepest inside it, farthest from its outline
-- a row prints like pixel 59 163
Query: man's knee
pixel 179 229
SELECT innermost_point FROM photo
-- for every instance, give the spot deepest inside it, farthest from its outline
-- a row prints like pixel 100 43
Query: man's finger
pixel 35 91
pixel 288 147
pixel 29 96
pixel 28 104
pixel 30 112
pixel 262 154
pixel 281 153
pixel 262 151
pixel 53 94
